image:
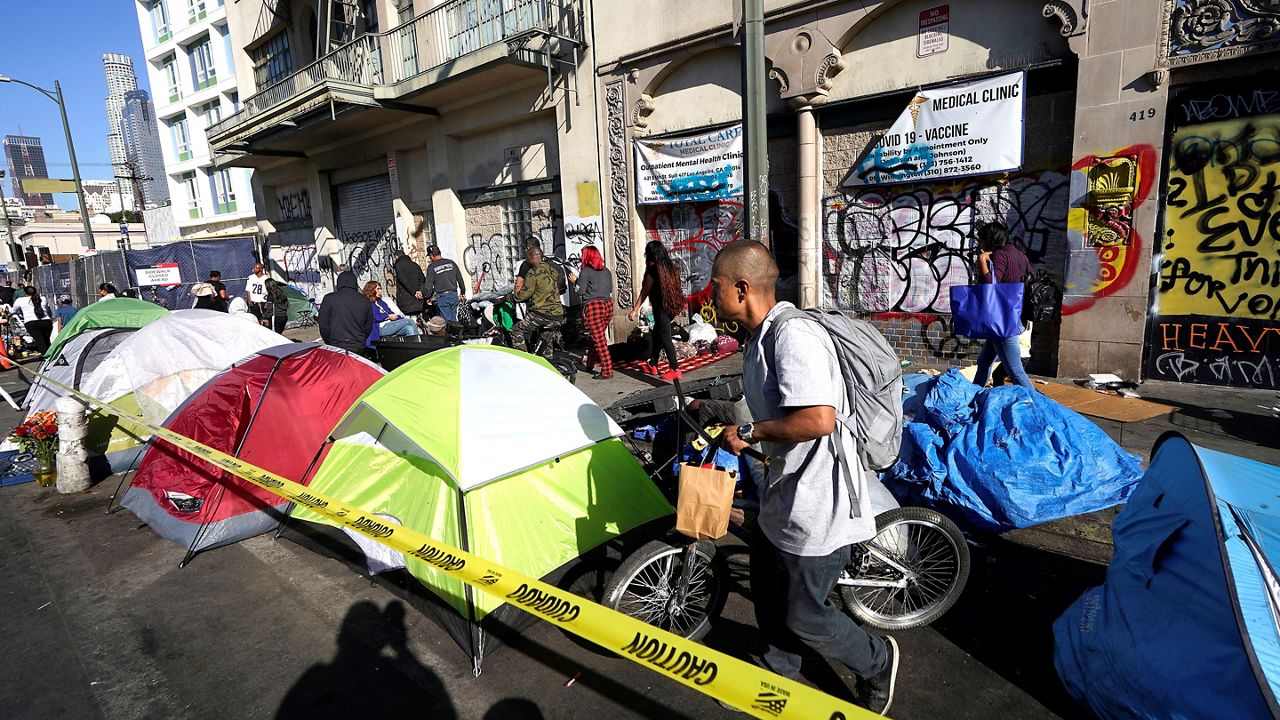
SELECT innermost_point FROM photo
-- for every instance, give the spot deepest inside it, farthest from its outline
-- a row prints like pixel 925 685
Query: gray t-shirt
pixel 805 506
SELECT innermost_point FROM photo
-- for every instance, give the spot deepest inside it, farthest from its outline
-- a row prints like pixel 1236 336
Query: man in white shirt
pixel 808 521
pixel 255 288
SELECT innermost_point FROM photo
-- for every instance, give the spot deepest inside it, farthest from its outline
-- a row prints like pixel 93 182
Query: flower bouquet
pixel 38 435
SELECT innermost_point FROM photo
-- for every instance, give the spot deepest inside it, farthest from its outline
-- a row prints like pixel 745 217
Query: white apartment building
pixel 191 71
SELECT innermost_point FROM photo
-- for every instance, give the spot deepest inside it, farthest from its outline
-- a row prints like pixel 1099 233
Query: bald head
pixel 743 281
pixel 747 260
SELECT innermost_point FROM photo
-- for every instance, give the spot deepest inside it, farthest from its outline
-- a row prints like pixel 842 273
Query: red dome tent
pixel 274 409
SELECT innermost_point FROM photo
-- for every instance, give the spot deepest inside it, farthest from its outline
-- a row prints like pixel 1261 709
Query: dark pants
pixel 40 330
pixel 794 610
pixel 661 338
pixel 526 331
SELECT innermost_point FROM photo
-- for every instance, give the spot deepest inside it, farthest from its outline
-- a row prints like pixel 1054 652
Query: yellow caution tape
pixel 743 685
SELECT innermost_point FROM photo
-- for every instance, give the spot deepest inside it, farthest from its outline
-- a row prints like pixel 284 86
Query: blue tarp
pixel 1186 624
pixel 1005 458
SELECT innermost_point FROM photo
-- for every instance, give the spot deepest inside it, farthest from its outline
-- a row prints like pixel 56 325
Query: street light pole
pixel 755 163
pixel 75 170
pixel 56 96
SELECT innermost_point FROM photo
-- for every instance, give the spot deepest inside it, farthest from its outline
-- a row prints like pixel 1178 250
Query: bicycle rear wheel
pixel 909 574
pixel 646 587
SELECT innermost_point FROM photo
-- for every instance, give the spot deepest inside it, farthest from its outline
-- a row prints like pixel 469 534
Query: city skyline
pixel 86 31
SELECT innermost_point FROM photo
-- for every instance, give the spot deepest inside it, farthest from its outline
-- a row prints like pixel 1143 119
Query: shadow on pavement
pixel 1005 617
pixel 363 681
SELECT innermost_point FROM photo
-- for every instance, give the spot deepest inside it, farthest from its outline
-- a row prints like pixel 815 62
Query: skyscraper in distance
pixel 25 156
pixel 142 148
pixel 121 79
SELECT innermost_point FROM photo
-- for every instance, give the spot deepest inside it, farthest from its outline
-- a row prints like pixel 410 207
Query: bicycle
pixel 908 575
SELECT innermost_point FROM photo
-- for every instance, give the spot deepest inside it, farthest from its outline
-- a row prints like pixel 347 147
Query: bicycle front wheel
pixel 909 574
pixel 647 587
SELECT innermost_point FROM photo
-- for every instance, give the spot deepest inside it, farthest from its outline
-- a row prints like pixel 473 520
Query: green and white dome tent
pixel 489 450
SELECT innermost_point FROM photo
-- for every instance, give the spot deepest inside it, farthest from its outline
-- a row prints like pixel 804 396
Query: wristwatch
pixel 745 433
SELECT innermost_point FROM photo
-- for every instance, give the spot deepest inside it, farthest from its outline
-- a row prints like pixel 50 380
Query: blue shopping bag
pixel 987 311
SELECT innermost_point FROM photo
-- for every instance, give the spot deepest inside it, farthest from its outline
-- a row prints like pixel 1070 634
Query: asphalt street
pixel 100 622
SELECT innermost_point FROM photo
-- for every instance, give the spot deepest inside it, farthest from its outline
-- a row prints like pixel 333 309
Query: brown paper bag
pixel 706 497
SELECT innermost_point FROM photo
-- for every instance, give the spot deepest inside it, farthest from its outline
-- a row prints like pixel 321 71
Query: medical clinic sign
pixel 974 128
pixel 692 168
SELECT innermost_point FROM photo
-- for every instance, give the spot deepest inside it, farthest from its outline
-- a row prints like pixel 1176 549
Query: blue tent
pixel 1187 624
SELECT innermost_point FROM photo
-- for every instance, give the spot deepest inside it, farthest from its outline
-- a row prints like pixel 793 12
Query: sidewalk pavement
pixel 1233 420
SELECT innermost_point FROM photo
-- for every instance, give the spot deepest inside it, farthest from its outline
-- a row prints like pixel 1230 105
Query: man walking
pixel 409 279
pixel 444 282
pixel 541 291
pixel 808 519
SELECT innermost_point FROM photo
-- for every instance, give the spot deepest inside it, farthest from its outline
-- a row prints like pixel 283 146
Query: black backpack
pixel 1041 298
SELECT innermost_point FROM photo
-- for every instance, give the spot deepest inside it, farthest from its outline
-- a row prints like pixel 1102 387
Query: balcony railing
pixel 439 36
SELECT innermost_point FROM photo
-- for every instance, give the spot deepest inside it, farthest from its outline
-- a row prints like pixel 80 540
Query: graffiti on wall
pixel 1217 309
pixel 487 262
pixel 294 205
pixel 370 254
pixel 492 258
pixel 301 267
pixel 579 233
pixel 892 249
pixel 693 233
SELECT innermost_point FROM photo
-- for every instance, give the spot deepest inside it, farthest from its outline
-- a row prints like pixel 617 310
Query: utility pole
pixel 136 180
pixel 755 161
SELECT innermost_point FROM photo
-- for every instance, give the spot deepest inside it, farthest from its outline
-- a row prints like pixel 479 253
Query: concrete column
pixel 807 189
pixel 73 458
pixel 451 228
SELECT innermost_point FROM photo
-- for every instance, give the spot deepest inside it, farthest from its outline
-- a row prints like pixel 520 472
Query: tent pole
pixel 288 513
pixel 130 473
pixel 204 524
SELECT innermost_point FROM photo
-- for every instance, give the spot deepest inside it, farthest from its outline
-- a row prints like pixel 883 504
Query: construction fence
pixel 79 279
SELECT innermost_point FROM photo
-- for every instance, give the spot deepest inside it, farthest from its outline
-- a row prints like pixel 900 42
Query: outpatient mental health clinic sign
pixel 974 128
pixel 692 168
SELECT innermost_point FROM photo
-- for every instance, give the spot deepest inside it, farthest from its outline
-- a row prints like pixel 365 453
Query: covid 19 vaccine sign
pixel 972 128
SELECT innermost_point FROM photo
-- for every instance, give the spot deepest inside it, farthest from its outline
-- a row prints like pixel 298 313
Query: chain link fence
pixel 79 279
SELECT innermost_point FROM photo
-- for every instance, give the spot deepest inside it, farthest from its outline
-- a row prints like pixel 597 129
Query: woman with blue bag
pixel 1000 261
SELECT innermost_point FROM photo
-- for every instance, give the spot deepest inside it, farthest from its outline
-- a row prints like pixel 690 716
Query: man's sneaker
pixel 877 691
pixel 672 375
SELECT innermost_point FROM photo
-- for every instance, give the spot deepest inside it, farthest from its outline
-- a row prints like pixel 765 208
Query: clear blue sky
pixel 46 40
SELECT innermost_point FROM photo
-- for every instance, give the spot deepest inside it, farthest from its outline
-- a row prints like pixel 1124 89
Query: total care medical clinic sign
pixel 973 128
pixel 691 168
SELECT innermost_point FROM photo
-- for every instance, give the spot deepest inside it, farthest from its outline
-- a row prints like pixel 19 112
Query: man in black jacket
pixel 409 279
pixel 346 316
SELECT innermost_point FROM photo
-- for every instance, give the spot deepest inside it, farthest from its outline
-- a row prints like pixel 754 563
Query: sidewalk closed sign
pixel 692 168
pixel 972 128
pixel 935 31
pixel 162 274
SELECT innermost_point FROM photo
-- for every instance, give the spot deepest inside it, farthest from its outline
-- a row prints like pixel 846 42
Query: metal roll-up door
pixel 366 226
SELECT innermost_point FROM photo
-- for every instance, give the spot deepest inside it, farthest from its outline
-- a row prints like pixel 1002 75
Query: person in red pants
pixel 594 284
